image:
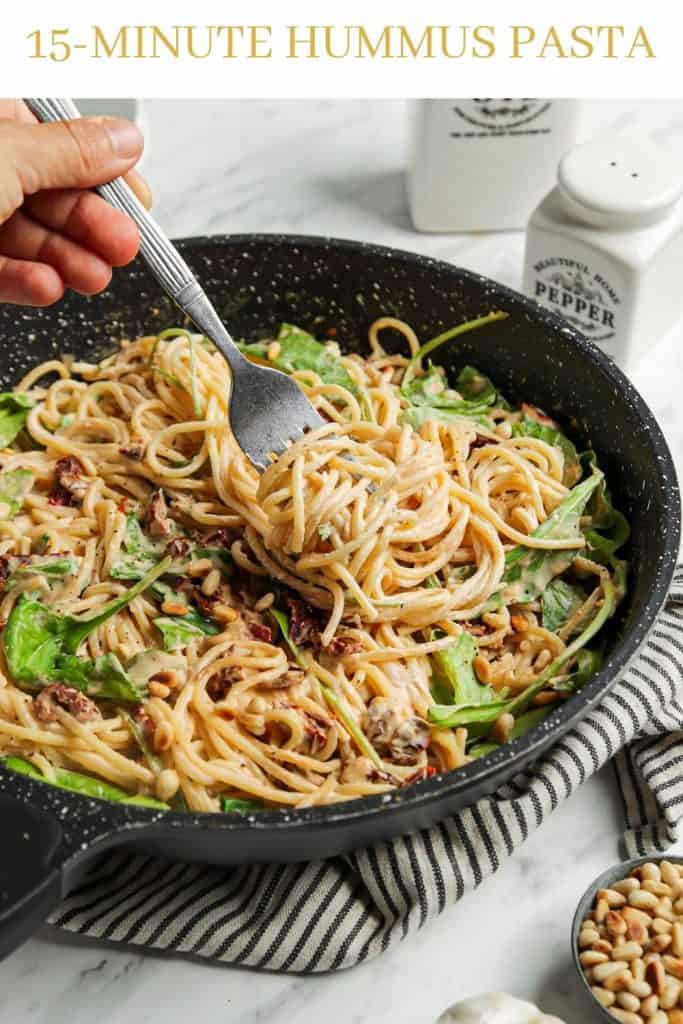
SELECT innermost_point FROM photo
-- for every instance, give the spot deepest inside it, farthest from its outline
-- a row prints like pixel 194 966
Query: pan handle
pixel 30 870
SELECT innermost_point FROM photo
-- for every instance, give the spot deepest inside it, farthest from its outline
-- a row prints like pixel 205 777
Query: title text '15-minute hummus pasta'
pixel 405 589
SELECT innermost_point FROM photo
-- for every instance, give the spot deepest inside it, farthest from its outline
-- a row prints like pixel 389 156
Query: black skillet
pixel 48 835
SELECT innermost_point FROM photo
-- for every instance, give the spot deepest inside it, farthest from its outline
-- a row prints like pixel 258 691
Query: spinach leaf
pixel 454 667
pixel 609 529
pixel 559 601
pixel 475 386
pixel 454 716
pixel 528 571
pixel 35 636
pixel 54 569
pixel 140 553
pixel 76 782
pixel 588 663
pixel 14 410
pixel 233 805
pixel 529 427
pixel 164 592
pixel 424 390
pixel 417 415
pixel 177 632
pixel 441 339
pixel 103 678
pixel 300 351
pixel 14 486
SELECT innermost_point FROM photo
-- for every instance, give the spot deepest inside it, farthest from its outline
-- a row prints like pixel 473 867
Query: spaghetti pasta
pixel 357 618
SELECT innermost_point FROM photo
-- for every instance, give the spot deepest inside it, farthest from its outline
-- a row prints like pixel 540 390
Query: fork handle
pixel 161 256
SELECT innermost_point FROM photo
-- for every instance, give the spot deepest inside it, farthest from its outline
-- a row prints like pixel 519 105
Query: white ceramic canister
pixel 604 248
pixel 484 164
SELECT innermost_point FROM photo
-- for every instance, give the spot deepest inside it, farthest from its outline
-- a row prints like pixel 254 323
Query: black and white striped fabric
pixel 333 914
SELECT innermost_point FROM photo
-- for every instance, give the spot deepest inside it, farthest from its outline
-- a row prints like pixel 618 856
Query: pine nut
pixel 665 908
pixel 170 607
pixel 626 886
pixel 638 969
pixel 482 668
pixel 640 989
pixel 675 1017
pixel 677 939
pixel 603 996
pixel 159 689
pixel 659 944
pixel 628 1002
pixel 678 906
pixel 602 946
pixel 273 350
pixel 669 873
pixel 669 996
pixel 199 567
pixel 673 965
pixel 656 888
pixel 650 872
pixel 603 971
pixel 655 976
pixel 631 914
pixel 163 737
pixel 503 727
pixel 224 613
pixel 642 900
pixel 167 784
pixel 649 1006
pixel 266 602
pixel 627 951
pixel 661 927
pixel 618 982
pixel 659 1018
pixel 168 676
pixel 614 923
pixel 590 958
pixel 614 899
pixel 637 932
pixel 212 582
pixel 587 937
pixel 625 1016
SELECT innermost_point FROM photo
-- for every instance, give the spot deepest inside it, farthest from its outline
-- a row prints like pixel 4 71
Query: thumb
pixel 69 154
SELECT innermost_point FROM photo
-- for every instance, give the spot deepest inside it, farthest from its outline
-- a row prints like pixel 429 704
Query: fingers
pixel 140 187
pixel 22 238
pixel 29 284
pixel 17 110
pixel 88 220
pixel 70 154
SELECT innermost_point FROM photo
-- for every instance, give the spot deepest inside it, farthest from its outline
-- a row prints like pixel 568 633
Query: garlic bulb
pixel 495 1008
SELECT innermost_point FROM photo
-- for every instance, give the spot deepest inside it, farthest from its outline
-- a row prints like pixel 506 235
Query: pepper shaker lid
pixel 619 183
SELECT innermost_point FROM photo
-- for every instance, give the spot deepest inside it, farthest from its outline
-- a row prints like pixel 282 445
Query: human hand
pixel 54 233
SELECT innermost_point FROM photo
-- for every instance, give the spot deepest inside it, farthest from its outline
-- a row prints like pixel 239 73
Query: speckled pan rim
pixel 116 817
pixel 603 881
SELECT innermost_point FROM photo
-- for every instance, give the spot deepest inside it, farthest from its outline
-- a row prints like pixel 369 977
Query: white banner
pixel 296 48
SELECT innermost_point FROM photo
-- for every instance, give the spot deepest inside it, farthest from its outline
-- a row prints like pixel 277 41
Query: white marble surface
pixel 335 167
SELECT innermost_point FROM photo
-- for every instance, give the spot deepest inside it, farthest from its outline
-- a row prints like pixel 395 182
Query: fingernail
pixel 126 137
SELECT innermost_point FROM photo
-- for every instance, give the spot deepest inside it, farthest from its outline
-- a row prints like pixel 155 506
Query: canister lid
pixel 619 182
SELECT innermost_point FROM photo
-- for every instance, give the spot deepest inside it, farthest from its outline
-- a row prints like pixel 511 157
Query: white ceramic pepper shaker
pixel 604 249
pixel 484 164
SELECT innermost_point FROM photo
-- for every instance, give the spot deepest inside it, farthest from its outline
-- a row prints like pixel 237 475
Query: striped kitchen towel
pixel 332 914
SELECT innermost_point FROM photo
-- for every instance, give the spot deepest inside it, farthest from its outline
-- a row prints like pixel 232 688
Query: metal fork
pixel 267 409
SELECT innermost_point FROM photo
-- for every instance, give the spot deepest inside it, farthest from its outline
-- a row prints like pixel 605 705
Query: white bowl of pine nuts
pixel 627 942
